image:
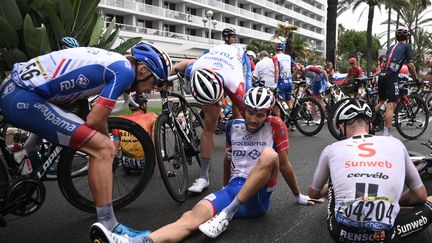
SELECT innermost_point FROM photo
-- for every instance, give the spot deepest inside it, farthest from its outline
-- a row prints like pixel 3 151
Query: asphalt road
pixel 58 221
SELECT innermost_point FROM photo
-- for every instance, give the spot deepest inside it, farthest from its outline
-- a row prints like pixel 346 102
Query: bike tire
pixel 303 117
pixel 412 121
pixel 196 126
pixel 171 158
pixel 421 165
pixel 76 189
pixel 331 119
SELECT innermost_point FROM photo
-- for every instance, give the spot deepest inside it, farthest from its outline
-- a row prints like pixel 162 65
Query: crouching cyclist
pixel 366 180
pixel 257 149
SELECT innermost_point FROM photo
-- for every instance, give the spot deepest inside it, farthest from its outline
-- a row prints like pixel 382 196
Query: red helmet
pixel 352 61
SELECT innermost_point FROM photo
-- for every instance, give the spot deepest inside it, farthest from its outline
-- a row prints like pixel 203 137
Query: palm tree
pixel 331 30
pixel 371 9
pixel 286 31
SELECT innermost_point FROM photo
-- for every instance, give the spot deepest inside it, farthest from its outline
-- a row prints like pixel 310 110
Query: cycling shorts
pixel 409 221
pixel 388 86
pixel 285 87
pixel 29 111
pixel 319 86
pixel 254 207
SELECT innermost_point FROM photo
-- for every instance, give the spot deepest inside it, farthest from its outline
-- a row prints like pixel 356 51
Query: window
pixel 241 5
pixel 227 20
pixel 140 23
pixel 254 10
pixel 169 5
pixel 242 23
pixel 149 2
pixel 191 11
pixel 149 24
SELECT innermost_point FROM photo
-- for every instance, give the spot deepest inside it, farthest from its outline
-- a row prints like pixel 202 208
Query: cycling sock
pixel 205 164
pixel 106 216
pixel 232 209
pixel 386 131
pixel 144 239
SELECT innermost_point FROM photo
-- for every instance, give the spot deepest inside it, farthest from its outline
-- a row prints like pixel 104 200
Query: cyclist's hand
pixel 418 81
pixel 306 200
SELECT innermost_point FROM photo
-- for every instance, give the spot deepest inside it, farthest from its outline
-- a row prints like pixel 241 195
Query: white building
pixel 182 27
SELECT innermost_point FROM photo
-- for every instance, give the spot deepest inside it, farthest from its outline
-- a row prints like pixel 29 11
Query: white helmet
pixel 207 86
pixel 251 53
pixel 259 98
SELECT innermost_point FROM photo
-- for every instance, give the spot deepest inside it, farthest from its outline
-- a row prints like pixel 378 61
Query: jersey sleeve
pixel 275 60
pixel 408 54
pixel 118 76
pixel 314 69
pixel 322 172
pixel 248 71
pixel 412 177
pixel 280 133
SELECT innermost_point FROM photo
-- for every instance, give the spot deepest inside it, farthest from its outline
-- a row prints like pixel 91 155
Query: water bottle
pixel 25 166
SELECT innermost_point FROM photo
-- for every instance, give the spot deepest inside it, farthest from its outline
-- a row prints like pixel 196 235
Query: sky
pixel 351 20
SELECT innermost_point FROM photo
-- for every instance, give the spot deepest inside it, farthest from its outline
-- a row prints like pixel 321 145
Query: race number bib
pixel 374 213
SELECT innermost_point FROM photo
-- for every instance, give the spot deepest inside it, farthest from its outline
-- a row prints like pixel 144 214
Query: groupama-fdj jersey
pixel 232 64
pixel 367 176
pixel 32 94
pixel 246 147
pixel 284 83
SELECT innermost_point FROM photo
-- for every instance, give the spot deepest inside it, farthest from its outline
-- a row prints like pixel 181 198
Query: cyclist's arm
pixel 322 173
pixel 276 69
pixel 412 70
pixel 416 192
pixel 227 168
pixel 97 118
pixel 287 172
pixel 181 66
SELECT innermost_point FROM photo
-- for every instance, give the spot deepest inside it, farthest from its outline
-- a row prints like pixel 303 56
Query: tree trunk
pixel 388 27
pixel 369 38
pixel 331 31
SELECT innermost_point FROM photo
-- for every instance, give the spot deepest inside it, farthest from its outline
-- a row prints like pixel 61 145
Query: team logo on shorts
pixel 254 154
pixel 82 81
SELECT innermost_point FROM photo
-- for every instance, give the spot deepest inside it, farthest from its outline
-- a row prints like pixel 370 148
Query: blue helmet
pixel 156 60
pixel 280 46
pixel 69 42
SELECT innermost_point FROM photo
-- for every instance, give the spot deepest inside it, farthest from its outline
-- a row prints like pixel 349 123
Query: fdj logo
pixel 67 84
pixel 238 153
pixel 82 81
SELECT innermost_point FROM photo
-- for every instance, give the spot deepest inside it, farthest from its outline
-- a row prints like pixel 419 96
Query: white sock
pixel 232 209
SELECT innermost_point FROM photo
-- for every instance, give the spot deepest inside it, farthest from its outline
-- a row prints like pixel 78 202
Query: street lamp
pixel 209 23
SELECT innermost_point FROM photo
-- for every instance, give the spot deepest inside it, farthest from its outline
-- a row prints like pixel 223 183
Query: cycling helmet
pixel 402 34
pixel 140 99
pixel 280 46
pixel 352 61
pixel 251 53
pixel 353 109
pixel 207 86
pixel 259 98
pixel 69 42
pixel 382 58
pixel 229 31
pixel 156 59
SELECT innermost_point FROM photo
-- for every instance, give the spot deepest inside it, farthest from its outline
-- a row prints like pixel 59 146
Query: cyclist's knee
pixel 100 147
pixel 268 157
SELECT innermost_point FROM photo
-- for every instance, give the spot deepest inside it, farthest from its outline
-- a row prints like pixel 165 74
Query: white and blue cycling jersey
pixel 232 64
pixel 32 95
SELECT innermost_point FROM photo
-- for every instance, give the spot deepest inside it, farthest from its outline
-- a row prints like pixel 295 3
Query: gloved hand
pixel 306 200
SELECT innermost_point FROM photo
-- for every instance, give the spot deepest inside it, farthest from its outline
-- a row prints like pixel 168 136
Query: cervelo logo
pixel 50 116
pixel 379 163
pixel 377 175
pixel 412 226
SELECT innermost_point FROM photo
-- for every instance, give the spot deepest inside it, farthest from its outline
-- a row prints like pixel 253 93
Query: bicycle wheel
pixel 331 119
pixel 80 168
pixel 308 116
pixel 171 158
pixel 411 117
pixel 126 187
pixel 195 126
pixel 418 161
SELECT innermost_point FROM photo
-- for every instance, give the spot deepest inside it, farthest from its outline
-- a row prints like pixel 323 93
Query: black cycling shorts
pixel 388 86
pixel 409 221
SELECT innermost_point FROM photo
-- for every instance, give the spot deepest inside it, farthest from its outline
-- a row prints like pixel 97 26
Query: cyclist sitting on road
pixel 32 94
pixel 133 153
pixel 366 177
pixel 388 83
pixel 224 69
pixel 282 74
pixel 354 71
pixel 257 149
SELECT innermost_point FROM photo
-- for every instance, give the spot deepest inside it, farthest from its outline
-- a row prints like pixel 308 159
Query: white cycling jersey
pixel 227 61
pixel 284 61
pixel 246 147
pixel 367 174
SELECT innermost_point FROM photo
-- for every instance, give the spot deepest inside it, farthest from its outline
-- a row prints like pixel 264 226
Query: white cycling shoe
pixel 215 226
pixel 100 234
pixel 199 185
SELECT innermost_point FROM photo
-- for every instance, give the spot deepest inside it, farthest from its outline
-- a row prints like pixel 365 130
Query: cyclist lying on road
pixel 366 180
pixel 257 149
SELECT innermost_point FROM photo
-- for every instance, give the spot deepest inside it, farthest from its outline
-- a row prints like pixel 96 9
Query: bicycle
pixel 22 195
pixel 423 163
pixel 411 115
pixel 177 139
